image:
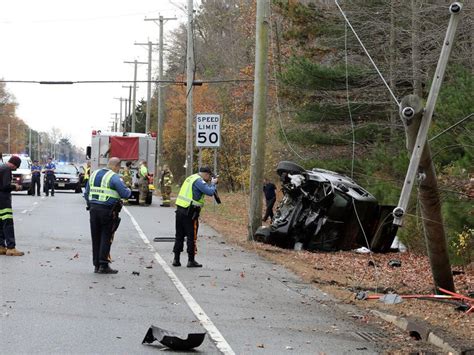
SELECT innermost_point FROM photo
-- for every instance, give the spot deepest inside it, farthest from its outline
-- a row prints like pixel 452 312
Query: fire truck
pixel 134 147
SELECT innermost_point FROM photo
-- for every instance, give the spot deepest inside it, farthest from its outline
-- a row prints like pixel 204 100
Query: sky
pixel 61 40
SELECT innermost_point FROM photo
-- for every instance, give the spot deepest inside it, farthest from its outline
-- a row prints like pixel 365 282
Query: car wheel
pixel 289 167
pixel 30 192
pixel 78 189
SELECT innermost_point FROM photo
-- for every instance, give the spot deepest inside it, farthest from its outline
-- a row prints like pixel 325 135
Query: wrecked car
pixel 324 210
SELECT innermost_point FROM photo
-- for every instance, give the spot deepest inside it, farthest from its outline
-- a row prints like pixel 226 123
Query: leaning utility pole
pixel 421 168
pixel 148 91
pixel 161 102
pixel 189 92
pixel 257 162
pixel 134 107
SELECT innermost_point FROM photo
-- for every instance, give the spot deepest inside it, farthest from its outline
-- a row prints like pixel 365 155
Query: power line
pixel 176 82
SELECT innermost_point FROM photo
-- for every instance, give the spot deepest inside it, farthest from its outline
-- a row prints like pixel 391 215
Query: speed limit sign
pixel 208 130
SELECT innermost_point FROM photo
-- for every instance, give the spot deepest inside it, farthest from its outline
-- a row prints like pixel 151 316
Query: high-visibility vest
pixel 102 192
pixel 6 213
pixel 185 196
pixel 87 172
pixel 143 171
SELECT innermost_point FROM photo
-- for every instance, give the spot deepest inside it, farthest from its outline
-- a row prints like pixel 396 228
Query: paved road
pixel 52 302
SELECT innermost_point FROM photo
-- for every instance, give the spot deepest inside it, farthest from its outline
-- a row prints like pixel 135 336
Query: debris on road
pixel 395 263
pixel 136 273
pixel 172 340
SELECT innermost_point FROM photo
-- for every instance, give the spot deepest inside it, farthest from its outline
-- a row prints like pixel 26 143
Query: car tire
pixel 289 167
pixel 78 189
pixel 30 192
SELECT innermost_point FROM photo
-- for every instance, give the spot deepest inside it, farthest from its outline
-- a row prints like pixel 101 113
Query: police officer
pixel 165 183
pixel 103 195
pixel 188 205
pixel 7 231
pixel 36 178
pixel 49 177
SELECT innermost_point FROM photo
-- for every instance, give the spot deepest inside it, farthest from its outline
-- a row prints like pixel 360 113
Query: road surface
pixel 52 302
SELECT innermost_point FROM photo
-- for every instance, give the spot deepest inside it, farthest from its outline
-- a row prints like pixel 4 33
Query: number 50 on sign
pixel 208 130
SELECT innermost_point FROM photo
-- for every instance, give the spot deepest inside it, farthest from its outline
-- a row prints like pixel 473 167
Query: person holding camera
pixel 189 202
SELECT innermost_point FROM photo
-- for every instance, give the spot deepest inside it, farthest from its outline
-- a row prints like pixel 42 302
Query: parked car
pixel 67 178
pixel 324 210
pixel 22 175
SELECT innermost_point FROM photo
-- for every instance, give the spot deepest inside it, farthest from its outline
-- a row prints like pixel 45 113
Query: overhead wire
pixel 367 53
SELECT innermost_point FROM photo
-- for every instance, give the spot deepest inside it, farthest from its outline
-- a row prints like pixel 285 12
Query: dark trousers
pixel 187 227
pixel 36 182
pixel 49 184
pixel 101 222
pixel 7 233
pixel 269 210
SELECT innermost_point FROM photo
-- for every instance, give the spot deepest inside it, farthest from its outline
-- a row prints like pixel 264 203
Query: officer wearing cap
pixel 103 194
pixel 35 178
pixel 49 177
pixel 189 202
pixel 7 231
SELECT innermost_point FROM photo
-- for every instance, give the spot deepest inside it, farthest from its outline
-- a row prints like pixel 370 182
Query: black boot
pixel 106 269
pixel 192 262
pixel 176 260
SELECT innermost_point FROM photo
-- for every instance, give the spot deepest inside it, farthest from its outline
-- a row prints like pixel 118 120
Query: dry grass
pixel 343 273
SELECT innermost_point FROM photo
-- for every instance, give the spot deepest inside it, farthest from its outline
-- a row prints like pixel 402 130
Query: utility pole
pixel 121 99
pixel 257 162
pixel 148 92
pixel 29 145
pixel 161 102
pixel 9 139
pixel 134 108
pixel 189 92
pixel 128 103
pixel 421 169
pixel 39 149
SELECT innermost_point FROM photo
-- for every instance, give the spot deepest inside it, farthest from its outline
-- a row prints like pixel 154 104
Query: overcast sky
pixel 76 40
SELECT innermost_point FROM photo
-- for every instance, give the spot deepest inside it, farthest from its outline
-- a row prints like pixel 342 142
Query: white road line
pixel 205 321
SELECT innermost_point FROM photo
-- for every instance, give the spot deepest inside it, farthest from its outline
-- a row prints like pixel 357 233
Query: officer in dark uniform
pixel 49 177
pixel 188 206
pixel 36 178
pixel 7 231
pixel 103 194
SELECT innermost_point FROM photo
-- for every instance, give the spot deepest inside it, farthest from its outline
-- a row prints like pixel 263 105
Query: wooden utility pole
pixel 161 92
pixel 148 90
pixel 257 162
pixel 189 92
pixel 421 169
pixel 134 107
pixel 428 196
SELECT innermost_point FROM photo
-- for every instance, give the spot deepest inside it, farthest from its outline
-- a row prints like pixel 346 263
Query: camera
pixel 455 7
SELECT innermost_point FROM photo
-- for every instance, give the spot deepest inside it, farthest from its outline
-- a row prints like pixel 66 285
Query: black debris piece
pixel 395 263
pixel 172 340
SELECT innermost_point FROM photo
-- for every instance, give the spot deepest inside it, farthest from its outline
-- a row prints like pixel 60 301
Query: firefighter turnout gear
pixel 166 183
pixel 143 183
pixel 104 192
pixel 7 230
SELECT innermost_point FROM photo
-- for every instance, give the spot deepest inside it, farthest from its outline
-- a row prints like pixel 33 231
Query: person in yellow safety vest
pixel 103 195
pixel 189 202
pixel 143 181
pixel 166 182
pixel 87 172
